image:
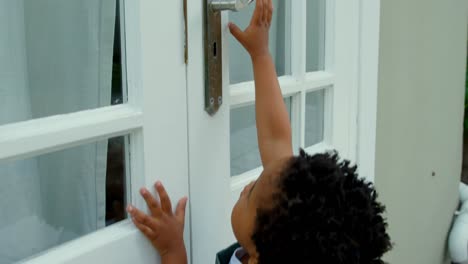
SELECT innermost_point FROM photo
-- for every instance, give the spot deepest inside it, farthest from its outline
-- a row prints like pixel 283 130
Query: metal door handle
pixel 232 5
pixel 213 50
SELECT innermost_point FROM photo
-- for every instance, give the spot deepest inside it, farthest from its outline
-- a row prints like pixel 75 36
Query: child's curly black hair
pixel 321 213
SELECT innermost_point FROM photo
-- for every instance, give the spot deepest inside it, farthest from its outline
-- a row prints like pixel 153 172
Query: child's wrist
pixel 259 52
pixel 177 254
pixel 260 58
pixel 260 55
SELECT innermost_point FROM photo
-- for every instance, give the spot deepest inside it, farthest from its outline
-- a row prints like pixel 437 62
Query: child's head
pixel 311 209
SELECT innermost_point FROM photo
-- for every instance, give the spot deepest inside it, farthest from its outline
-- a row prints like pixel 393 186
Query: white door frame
pixel 368 87
pixel 155 116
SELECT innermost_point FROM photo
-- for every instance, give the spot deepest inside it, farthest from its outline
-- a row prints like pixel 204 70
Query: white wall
pixel 420 113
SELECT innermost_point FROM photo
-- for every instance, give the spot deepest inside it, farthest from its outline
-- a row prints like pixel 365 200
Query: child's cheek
pixel 240 223
pixel 235 219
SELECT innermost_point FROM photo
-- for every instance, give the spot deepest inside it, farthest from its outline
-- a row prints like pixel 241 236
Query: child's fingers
pixel 270 11
pixel 144 229
pixel 180 210
pixel 142 218
pixel 257 17
pixel 153 205
pixel 266 10
pixel 236 32
pixel 164 197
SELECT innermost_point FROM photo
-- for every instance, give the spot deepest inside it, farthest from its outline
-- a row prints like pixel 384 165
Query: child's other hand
pixel 162 227
pixel 255 37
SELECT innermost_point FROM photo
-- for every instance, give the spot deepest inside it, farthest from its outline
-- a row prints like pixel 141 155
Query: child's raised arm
pixel 273 126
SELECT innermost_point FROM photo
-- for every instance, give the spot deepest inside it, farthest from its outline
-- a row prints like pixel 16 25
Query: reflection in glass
pixel 58 57
pixel 315 109
pixel 315 35
pixel 53 198
pixel 245 154
pixel 240 65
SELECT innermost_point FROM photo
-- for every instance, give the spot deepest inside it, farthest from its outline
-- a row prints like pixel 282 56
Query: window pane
pixel 245 154
pixel 53 198
pixel 315 109
pixel 240 65
pixel 315 35
pixel 58 57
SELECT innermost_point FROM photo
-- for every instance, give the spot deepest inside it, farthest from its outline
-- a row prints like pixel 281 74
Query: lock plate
pixel 213 60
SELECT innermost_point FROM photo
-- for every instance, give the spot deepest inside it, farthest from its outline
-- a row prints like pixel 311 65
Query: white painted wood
pixel 156 117
pixel 288 36
pixel 296 121
pixel 368 86
pixel 123 47
pixel 330 35
pixel 110 245
pixel 208 149
pixel 345 50
pixel 164 102
pixel 319 148
pixel 298 38
pixel 302 118
pixel 317 80
pixel 34 137
pixel 328 116
pixel 243 94
pixel 130 15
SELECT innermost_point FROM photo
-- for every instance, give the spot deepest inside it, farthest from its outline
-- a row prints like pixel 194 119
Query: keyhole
pixel 215 50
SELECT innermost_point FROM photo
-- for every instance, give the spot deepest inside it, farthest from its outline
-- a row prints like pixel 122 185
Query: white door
pixel 92 107
pixel 316 48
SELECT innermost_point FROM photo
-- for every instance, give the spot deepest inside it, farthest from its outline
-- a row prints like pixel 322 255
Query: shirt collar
pixel 237 256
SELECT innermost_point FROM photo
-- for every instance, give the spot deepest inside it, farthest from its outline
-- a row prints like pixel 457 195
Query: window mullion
pixel 298 38
pixel 132 53
pixel 329 48
pixel 302 117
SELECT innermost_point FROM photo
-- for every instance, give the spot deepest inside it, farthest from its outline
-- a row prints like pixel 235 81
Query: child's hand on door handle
pixel 163 228
pixel 255 37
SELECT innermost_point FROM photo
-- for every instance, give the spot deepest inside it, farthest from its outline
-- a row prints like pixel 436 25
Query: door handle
pixel 214 48
pixel 232 5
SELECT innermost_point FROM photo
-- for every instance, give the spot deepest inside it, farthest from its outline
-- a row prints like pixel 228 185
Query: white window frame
pixel 143 117
pixel 44 135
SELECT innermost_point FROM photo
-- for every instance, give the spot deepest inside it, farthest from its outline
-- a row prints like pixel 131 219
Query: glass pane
pixel 58 57
pixel 245 154
pixel 53 198
pixel 240 65
pixel 315 109
pixel 315 35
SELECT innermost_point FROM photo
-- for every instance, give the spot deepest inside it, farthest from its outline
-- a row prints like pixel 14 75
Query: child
pixel 303 209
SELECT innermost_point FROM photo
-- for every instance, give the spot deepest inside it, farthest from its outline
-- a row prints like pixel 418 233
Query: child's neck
pixel 245 259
